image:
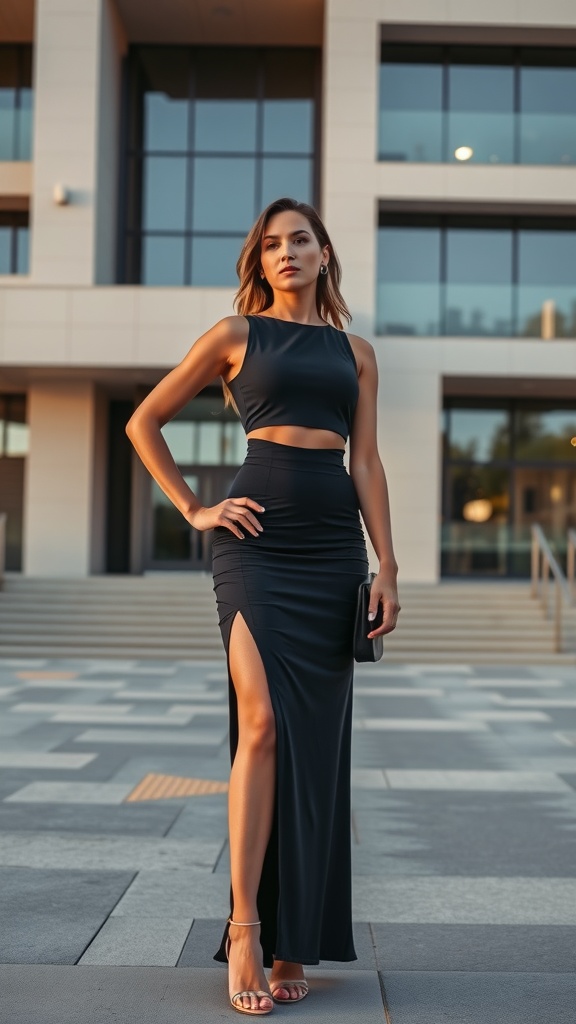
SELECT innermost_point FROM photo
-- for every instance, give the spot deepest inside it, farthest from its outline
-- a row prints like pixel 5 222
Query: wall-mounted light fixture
pixel 60 195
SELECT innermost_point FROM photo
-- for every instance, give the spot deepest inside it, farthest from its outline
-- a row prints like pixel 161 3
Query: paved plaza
pixel 114 860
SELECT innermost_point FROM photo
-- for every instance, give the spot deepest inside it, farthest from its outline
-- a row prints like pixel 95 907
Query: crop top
pixel 296 375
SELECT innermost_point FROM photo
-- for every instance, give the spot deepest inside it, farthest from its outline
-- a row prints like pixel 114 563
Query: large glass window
pixel 15 102
pixel 474 104
pixel 208 444
pixel 14 243
pixel 214 135
pixel 475 276
pixel 507 465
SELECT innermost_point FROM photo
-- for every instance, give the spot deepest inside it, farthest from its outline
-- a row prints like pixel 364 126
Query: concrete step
pixel 166 615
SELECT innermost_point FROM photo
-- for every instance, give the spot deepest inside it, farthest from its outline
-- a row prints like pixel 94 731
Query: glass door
pixel 208 445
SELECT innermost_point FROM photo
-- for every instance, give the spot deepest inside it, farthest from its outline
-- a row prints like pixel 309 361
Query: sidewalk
pixel 464 846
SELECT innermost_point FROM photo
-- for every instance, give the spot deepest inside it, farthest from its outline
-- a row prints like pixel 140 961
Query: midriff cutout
pixel 300 437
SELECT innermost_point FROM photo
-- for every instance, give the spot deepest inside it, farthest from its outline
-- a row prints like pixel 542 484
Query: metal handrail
pixel 3 518
pixel 571 564
pixel 543 563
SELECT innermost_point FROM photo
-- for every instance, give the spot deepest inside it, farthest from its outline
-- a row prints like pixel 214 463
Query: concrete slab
pixel 418 725
pixel 452 947
pixel 158 737
pixel 490 781
pixel 146 819
pixel 398 691
pixel 196 695
pixel 106 852
pixel 51 707
pixel 138 942
pixel 163 995
pixel 187 892
pixel 51 916
pixel 33 759
pixel 467 998
pixel 506 716
pixel 159 719
pixel 443 900
pixel 71 793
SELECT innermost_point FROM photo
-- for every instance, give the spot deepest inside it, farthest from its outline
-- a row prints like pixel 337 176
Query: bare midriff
pixel 300 437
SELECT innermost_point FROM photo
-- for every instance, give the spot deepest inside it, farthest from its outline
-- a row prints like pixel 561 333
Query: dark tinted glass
pixel 165 82
pixel 481 113
pixel 281 177
pixel 162 260
pixel 410 119
pixel 164 193
pixel 243 121
pixel 480 104
pixel 546 271
pixel 479 435
pixel 479 282
pixel 224 193
pixel 408 280
pixel 22 250
pixel 544 434
pixel 214 261
pixel 6 250
pixel 548 115
pixel 225 126
pixel 288 126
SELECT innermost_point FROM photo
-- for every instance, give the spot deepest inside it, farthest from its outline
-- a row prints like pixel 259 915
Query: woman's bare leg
pixel 250 808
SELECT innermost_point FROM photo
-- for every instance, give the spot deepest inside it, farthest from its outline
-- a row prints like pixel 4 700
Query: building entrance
pixel 507 465
pixel 208 445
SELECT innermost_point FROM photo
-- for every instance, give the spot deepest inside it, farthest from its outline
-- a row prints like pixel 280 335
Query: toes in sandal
pixel 298 982
pixel 258 993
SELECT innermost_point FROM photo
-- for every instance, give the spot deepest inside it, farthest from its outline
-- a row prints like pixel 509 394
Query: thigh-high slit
pixel 295 585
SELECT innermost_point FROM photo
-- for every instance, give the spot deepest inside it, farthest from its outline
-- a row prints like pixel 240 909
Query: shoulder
pixel 230 329
pixel 363 351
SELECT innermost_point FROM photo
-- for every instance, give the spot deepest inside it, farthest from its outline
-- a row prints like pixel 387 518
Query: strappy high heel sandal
pixel 299 982
pixel 259 993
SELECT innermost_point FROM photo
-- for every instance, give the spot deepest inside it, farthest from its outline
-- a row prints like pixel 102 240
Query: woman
pixel 288 556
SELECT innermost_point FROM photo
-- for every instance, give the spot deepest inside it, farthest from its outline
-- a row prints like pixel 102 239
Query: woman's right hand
pixel 231 513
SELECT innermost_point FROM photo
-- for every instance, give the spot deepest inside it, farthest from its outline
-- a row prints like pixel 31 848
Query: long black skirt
pixel 295 585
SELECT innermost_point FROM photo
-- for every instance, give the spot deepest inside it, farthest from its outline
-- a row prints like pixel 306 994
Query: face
pixel 291 255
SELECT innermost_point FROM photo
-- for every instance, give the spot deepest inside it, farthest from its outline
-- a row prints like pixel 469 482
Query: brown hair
pixel 255 294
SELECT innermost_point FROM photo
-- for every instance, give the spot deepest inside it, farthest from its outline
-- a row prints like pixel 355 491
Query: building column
pixel 78 49
pixel 59 479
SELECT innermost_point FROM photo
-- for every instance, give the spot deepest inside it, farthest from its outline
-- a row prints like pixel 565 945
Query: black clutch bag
pixel 365 649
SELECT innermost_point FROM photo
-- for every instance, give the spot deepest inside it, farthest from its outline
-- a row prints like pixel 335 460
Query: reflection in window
pixel 204 433
pixel 479 434
pixel 408 280
pixel 488 105
pixel 544 434
pixel 13 243
pixel 481 112
pixel 507 465
pixel 461 275
pixel 14 431
pixel 15 102
pixel 478 282
pixel 214 135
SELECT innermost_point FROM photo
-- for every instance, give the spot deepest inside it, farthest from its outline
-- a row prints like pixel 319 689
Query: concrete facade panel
pixel 58 492
pixel 35 344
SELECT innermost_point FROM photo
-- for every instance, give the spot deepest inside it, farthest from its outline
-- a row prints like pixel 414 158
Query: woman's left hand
pixel 383 591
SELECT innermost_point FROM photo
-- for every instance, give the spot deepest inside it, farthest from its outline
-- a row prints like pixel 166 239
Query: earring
pixel 323 269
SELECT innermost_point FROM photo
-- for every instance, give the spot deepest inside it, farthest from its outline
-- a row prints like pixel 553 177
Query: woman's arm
pixel 369 479
pixel 208 358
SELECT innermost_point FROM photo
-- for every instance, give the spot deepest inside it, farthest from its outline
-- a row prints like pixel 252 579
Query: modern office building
pixel 138 142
